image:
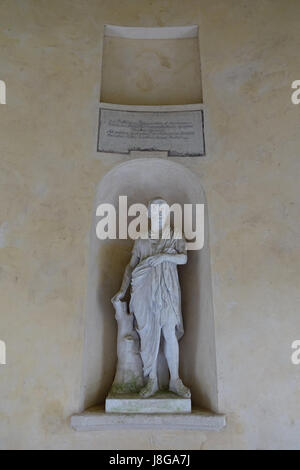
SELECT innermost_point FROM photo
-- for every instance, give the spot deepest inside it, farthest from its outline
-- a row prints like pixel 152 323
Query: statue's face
pixel 158 212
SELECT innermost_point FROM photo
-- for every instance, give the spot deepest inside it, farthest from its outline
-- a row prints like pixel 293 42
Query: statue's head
pixel 158 212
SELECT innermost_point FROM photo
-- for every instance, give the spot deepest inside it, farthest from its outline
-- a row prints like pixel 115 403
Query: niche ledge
pixel 96 419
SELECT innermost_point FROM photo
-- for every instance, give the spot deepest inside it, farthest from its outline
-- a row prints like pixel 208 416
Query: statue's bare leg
pixel 171 350
pixel 152 385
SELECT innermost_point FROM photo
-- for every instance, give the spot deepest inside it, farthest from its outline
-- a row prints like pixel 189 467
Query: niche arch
pixel 141 180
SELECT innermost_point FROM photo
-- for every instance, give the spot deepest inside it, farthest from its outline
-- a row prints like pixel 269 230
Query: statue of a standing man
pixel 156 299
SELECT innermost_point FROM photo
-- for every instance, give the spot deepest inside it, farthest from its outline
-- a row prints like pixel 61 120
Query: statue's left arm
pixel 176 258
pixel 179 257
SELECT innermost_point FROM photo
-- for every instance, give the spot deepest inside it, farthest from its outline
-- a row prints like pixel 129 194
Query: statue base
pixel 161 402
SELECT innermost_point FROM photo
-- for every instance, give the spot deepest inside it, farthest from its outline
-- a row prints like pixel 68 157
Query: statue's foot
pixel 177 386
pixel 150 389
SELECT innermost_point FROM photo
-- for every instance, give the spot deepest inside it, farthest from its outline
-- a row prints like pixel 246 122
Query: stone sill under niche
pixel 96 419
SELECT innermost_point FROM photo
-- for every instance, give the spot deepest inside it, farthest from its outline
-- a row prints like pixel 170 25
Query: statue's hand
pixel 156 260
pixel 119 296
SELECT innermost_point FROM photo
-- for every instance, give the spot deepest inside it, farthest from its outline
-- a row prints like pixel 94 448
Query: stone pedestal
pixel 161 402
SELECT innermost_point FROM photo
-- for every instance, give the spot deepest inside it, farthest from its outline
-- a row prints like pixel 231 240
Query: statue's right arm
pixel 126 278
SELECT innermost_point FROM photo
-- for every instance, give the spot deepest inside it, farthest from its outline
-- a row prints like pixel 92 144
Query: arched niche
pixel 141 180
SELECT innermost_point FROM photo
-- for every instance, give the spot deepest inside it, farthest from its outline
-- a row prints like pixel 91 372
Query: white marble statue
pixel 156 300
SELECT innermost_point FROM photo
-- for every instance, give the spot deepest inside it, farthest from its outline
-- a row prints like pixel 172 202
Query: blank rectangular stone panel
pixel 151 66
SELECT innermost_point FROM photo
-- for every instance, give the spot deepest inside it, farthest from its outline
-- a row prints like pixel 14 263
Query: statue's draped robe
pixel 155 295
